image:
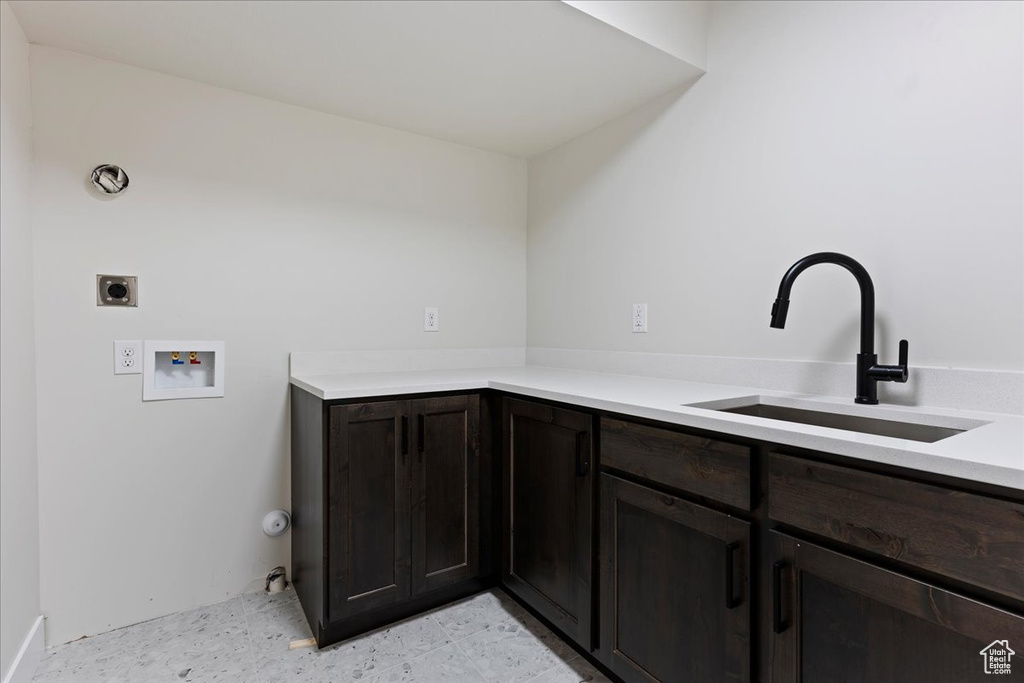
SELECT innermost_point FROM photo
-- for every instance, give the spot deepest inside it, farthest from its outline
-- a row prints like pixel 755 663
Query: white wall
pixel 679 27
pixel 888 131
pixel 270 227
pixel 19 502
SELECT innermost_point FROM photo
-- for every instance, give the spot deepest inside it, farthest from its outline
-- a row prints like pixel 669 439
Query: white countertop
pixel 992 453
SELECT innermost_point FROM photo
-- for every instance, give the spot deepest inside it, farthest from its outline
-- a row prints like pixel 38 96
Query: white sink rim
pixel 876 412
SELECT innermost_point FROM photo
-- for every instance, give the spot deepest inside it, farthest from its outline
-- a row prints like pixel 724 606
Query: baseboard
pixel 24 666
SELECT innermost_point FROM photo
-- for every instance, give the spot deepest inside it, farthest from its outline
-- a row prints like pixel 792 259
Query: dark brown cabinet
pixel 368 518
pixel 445 491
pixel 710 468
pixel 967 537
pixel 547 513
pixel 659 563
pixel 837 619
pixel 675 594
pixel 387 508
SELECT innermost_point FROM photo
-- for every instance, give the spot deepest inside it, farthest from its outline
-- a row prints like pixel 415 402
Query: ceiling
pixel 516 77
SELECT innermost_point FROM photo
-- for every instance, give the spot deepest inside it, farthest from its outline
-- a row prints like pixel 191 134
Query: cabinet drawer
pixel 705 467
pixel 964 536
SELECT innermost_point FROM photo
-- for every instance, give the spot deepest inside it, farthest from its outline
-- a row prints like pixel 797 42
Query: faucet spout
pixel 780 309
pixel 867 293
pixel 869 373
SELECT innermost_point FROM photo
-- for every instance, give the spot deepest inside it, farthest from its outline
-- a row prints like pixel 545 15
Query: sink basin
pixel 881 422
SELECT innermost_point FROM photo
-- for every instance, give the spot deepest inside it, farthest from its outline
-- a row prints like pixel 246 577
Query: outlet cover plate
pixel 639 318
pixel 127 357
pixel 430 320
pixel 117 290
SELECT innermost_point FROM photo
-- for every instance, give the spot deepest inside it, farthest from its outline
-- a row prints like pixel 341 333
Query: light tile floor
pixel 483 639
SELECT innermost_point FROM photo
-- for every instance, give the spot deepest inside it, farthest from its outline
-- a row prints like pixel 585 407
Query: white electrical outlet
pixel 127 357
pixel 639 319
pixel 430 322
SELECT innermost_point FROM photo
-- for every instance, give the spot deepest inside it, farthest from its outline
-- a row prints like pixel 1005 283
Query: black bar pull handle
pixel 731 601
pixel 904 353
pixel 405 435
pixel 421 431
pixel 582 455
pixel 778 624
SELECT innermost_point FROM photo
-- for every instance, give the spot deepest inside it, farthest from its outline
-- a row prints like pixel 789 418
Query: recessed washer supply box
pixel 182 369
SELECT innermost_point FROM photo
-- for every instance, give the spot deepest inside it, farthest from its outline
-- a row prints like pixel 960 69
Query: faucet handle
pixel 892 373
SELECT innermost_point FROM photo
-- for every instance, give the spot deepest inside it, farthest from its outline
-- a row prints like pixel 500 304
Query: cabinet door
pixel 368 508
pixel 445 456
pixel 838 619
pixel 675 595
pixel 547 513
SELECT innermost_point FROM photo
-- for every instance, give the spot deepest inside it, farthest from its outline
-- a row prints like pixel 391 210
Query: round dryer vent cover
pixel 110 179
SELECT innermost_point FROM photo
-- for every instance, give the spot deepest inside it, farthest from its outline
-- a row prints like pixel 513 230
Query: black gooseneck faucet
pixel 868 370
